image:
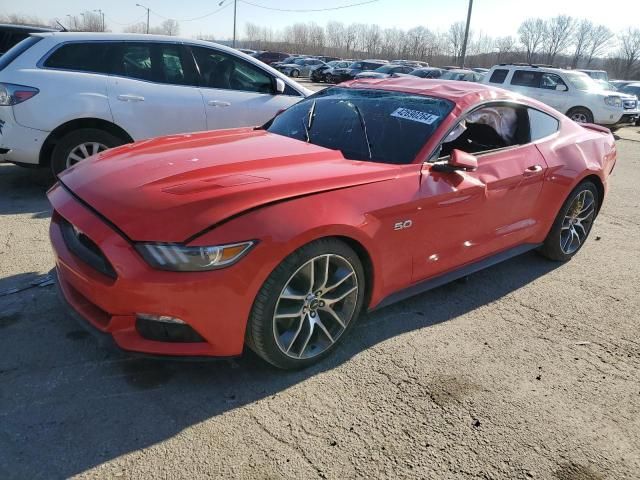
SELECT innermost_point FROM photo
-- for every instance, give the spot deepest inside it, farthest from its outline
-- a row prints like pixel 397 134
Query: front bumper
pixel 215 304
pixel 615 117
pixel 19 144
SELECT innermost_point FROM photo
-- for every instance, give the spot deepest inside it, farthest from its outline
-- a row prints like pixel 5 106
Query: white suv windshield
pixel 582 81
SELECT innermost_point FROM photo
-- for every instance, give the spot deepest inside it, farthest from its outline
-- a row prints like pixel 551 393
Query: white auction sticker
pixel 415 115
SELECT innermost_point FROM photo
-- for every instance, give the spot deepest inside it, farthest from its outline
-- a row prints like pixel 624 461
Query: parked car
pixel 289 59
pixel 320 74
pixel 427 72
pixel 461 75
pixel 633 89
pixel 385 71
pixel 480 70
pixel 66 96
pixel 300 67
pixel 449 67
pixel 271 57
pixel 621 83
pixel 573 93
pixel 342 74
pixel 11 35
pixel 248 51
pixel 157 243
pixel 327 59
pixel 596 74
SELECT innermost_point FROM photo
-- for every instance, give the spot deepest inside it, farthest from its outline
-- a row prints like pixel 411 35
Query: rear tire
pixel 580 115
pixel 69 147
pixel 295 73
pixel 573 224
pixel 296 320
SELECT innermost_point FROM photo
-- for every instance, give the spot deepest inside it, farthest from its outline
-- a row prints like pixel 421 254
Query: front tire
pixel 580 115
pixel 80 144
pixel 295 73
pixel 573 223
pixel 307 305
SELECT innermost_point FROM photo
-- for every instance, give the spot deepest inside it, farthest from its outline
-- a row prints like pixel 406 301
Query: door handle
pixel 218 103
pixel 532 170
pixel 130 98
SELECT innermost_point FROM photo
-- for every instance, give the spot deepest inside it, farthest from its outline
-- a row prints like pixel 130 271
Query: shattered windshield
pixel 371 125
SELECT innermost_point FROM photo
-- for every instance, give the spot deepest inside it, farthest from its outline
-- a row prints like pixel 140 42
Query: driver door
pixel 467 216
pixel 236 93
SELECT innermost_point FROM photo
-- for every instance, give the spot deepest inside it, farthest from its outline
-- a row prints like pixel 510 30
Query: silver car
pixel 302 67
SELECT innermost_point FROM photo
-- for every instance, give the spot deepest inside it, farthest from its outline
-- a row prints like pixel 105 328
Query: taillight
pixel 11 94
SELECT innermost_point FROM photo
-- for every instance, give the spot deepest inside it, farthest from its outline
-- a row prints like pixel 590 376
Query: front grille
pixel 85 249
pixel 630 104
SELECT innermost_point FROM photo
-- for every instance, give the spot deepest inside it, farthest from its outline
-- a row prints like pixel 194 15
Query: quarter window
pixel 499 75
pixel 84 57
pixel 541 124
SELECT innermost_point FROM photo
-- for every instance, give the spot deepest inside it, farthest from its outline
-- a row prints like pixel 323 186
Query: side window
pixel 134 61
pixel 174 67
pixel 85 57
pixel 541 124
pixel 499 75
pixel 550 81
pixel 221 70
pixel 488 128
pixel 526 78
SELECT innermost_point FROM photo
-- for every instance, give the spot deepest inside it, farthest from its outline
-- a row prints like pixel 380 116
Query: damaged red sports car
pixel 277 237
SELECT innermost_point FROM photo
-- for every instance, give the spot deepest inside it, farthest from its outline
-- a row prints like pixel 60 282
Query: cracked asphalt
pixel 530 369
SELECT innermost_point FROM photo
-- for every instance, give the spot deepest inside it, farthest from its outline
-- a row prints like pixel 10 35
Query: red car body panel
pixel 253 185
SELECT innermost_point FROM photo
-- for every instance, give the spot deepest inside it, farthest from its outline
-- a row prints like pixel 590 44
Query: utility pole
pixel 466 35
pixel 102 15
pixel 235 15
pixel 147 9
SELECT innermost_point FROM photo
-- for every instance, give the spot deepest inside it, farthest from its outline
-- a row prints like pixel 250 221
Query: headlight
pixel 613 101
pixel 179 258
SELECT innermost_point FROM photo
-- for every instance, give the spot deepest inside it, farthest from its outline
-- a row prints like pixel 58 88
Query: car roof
pixel 463 94
pixel 24 28
pixel 461 70
pixel 140 37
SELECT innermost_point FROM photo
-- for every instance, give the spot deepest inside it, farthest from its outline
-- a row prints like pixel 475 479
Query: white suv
pixel 571 92
pixel 66 96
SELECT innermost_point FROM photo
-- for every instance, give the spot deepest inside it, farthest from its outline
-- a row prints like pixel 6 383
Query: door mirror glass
pixel 280 86
pixel 561 88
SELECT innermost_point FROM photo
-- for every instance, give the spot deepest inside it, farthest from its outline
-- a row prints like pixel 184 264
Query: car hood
pixel 170 188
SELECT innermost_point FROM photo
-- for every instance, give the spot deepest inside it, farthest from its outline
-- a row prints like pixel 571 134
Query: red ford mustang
pixel 358 196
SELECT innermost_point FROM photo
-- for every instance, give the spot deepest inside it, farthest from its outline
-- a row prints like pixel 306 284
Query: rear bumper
pixel 214 304
pixel 19 144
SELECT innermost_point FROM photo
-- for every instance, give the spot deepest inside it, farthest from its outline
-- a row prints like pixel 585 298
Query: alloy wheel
pixel 579 117
pixel 315 306
pixel 577 222
pixel 83 151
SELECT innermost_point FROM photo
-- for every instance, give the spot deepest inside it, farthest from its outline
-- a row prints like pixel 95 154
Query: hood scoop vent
pixel 212 184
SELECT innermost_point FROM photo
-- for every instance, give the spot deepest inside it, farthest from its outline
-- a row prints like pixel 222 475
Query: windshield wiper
pixel 307 124
pixel 364 128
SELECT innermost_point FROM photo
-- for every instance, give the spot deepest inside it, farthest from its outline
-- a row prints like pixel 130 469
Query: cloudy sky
pixel 494 17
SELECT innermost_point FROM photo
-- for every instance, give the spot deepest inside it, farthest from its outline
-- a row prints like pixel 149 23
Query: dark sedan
pixel 385 71
pixel 343 74
pixel 427 72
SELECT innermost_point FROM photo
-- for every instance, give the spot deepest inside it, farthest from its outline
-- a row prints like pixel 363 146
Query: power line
pixel 303 10
pixel 124 24
pixel 194 18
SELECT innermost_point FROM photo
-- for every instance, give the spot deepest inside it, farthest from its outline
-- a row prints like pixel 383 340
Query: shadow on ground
pixel 23 190
pixel 68 404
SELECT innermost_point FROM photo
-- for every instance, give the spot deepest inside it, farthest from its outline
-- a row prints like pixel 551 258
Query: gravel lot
pixel 527 370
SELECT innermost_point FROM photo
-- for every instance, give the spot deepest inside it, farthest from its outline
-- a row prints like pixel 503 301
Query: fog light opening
pixel 159 318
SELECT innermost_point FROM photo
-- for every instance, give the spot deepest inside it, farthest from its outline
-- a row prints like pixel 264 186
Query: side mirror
pixel 561 88
pixel 458 160
pixel 280 86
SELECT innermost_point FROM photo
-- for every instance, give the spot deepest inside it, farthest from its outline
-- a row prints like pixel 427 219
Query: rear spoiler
pixel 597 128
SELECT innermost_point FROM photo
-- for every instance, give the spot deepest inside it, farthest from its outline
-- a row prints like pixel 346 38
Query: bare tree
pixel 140 27
pixel 558 35
pixel 169 27
pixel 630 50
pixel 456 39
pixel 581 38
pixel 16 19
pixel 599 42
pixel 505 47
pixel 532 33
